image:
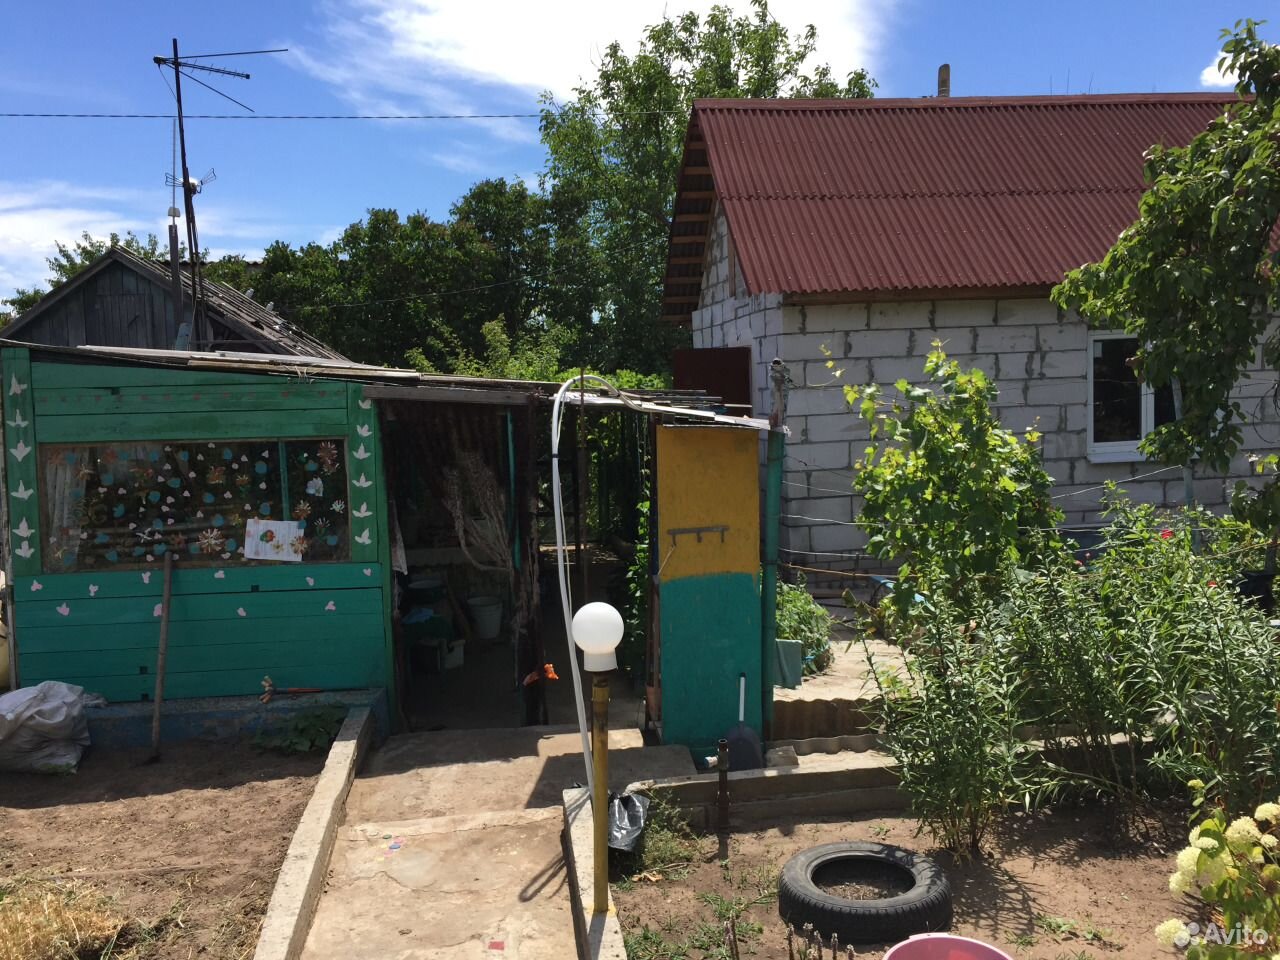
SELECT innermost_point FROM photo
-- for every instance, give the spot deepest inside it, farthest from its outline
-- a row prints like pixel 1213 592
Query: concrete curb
pixel 301 878
pixel 821 785
pixel 598 938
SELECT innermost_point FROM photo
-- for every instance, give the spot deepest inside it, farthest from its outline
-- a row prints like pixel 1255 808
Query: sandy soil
pixel 197 837
pixel 1050 887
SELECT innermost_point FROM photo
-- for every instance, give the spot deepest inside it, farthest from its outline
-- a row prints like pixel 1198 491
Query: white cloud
pixel 1215 79
pixel 36 215
pixel 410 54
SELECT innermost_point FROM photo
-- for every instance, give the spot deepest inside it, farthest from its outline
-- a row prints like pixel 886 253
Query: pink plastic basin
pixel 943 946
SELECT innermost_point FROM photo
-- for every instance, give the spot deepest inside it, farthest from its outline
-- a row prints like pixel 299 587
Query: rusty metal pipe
pixel 722 797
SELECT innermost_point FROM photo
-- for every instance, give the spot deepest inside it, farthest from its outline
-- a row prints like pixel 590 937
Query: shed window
pixel 125 505
pixel 1121 410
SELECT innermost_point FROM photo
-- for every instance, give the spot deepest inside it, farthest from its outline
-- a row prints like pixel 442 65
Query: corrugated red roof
pixel 939 196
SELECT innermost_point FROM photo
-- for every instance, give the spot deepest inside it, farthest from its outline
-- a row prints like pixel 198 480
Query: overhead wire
pixel 319 116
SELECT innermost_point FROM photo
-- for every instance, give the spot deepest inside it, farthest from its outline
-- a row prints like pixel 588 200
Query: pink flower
pixel 1166 533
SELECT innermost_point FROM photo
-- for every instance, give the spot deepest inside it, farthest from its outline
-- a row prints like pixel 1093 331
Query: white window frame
pixel 1117 451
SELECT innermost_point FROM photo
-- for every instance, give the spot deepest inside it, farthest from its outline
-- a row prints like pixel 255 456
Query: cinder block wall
pixel 728 317
pixel 1037 356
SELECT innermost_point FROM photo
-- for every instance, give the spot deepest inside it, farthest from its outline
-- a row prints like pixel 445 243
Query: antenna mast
pixel 201 332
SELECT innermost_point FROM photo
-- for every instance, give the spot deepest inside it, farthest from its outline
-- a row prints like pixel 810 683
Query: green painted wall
pixel 710 634
pixel 304 624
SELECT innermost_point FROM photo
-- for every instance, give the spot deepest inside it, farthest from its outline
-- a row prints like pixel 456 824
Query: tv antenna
pixel 200 331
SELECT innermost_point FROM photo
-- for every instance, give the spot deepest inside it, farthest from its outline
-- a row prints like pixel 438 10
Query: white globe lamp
pixel 597 630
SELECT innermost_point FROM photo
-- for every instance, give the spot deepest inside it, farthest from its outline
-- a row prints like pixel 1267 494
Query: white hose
pixel 566 595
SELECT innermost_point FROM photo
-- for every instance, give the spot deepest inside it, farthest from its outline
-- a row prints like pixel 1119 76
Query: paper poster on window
pixel 274 540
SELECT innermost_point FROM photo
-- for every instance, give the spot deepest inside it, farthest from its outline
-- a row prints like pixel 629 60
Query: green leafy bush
pixel 305 731
pixel 802 618
pixel 951 725
pixel 950 495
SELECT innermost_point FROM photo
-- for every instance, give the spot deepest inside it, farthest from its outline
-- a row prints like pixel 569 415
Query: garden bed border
pixel 301 877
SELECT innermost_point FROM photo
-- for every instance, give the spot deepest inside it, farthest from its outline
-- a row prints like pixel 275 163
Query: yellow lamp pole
pixel 600 798
pixel 597 630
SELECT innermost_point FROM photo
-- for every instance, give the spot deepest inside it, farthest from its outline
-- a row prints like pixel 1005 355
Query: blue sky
pixel 306 180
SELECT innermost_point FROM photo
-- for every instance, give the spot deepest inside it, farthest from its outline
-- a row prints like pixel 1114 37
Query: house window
pixel 1121 410
pixel 124 505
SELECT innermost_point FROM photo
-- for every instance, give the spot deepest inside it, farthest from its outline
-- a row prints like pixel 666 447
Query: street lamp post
pixel 597 630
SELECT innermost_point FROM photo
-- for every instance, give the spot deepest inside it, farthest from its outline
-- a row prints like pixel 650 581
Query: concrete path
pixel 451 846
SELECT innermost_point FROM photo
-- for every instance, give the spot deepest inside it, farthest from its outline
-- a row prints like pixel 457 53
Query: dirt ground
pixel 193 841
pixel 1050 887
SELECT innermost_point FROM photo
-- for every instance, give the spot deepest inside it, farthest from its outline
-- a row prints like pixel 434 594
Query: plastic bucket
pixel 943 946
pixel 487 614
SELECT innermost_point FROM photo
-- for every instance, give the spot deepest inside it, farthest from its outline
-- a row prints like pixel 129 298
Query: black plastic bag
pixel 626 820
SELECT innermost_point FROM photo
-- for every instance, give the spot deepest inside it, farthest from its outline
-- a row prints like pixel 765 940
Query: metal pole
pixel 600 798
pixel 722 796
pixel 584 584
pixel 769 542
pixel 1188 486
pixel 193 237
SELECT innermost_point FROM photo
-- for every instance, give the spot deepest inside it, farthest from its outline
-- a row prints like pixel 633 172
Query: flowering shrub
pixel 1235 869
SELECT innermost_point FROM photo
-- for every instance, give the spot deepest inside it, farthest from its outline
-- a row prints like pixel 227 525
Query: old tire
pixel 924 908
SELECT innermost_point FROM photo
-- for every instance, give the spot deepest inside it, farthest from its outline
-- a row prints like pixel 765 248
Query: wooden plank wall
pixel 118 307
pixel 304 624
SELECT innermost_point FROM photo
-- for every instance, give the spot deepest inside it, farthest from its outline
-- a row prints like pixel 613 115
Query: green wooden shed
pixel 263 476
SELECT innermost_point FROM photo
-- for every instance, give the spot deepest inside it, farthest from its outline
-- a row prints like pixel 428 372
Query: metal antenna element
pixel 201 333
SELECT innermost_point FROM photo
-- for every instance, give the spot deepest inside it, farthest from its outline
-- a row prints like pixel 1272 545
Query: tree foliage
pixel 951 495
pixel 1194 279
pixel 615 148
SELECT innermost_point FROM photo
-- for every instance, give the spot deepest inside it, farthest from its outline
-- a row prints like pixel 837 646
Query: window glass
pixel 1117 395
pixel 125 505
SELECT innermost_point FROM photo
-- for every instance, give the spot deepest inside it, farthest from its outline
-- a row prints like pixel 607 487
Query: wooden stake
pixel 162 654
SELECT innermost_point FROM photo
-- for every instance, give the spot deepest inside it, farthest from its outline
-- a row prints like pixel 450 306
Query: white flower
pixel 1188 859
pixel 1269 842
pixel 1171 932
pixel 1194 835
pixel 1207 843
pixel 1267 813
pixel 1242 834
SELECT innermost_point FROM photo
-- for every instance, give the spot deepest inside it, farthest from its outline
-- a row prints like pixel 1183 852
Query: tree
pixel 614 154
pixel 955 498
pixel 389 285
pixel 1194 279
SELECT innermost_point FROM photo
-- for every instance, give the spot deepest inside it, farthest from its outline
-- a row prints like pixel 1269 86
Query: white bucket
pixel 487 613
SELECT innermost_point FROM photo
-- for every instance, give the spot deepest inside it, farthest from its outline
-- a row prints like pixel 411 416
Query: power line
pixel 317 116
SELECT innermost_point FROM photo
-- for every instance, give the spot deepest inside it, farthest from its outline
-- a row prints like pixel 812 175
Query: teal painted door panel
pixel 710 633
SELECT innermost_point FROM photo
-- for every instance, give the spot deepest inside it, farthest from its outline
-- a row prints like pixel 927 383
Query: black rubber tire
pixel 925 908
